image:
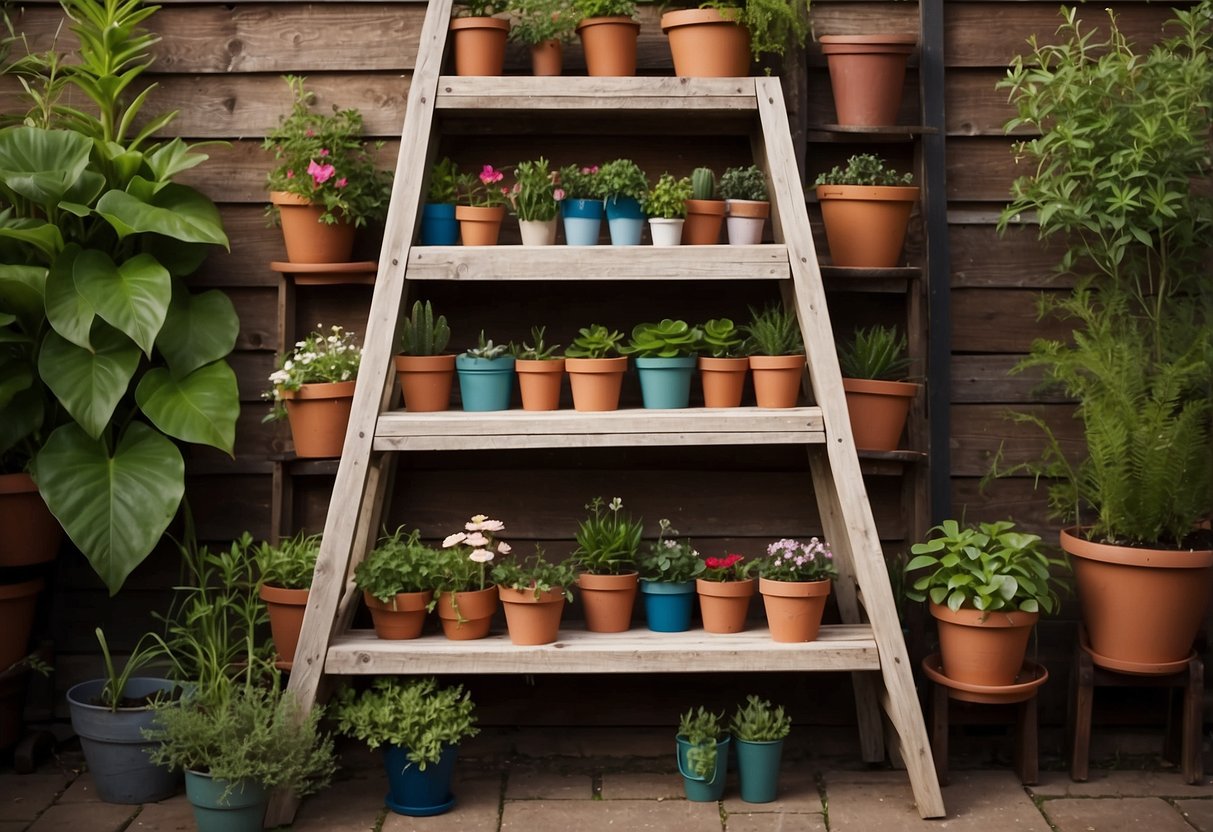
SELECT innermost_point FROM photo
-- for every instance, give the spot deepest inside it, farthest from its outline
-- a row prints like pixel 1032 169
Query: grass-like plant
pixel 608 539
pixel 289 564
pixel 876 352
pixel 773 330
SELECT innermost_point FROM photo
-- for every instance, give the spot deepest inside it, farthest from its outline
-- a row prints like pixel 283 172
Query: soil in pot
pixel 608 601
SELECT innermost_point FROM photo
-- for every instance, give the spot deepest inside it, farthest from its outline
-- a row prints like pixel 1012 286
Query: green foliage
pixel 758 721
pixel 533 196
pixel 703 730
pixel 666 339
pixel 668 198
pixel 537 350
pixel 536 21
pixel 774 25
pixel 416 715
pixel 486 349
pixel 483 189
pixel 604 8
pixel 876 352
pixel 990 568
pixel 773 330
pixel 703 183
pixel 142 655
pixel 481 8
pixel 721 338
pixel 668 559
pixel 607 540
pixel 444 182
pixel 595 341
pixel 536 574
pixel 581 182
pixel 420 334
pixel 320 358
pixel 744 183
pixel 623 178
pixel 864 169
pixel 398 563
pixel 290 564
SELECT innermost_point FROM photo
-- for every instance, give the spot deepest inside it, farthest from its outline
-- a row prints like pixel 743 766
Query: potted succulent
pixel 582 204
pixel 986 586
pixel 595 375
pixel 717 39
pixel 607 543
pixel 867 73
pixel 623 187
pixel 665 361
pixel 705 211
pixel 481 206
pixel 722 363
pixel 744 190
pixel 533 592
pixel 703 754
pixel 666 206
pixel 724 592
pixel 865 208
pixel 478 37
pixel 424 370
pixel 758 730
pixel 419 725
pixel 668 569
pixel 544 26
pixel 486 376
pixel 540 372
pixel 314 389
pixel 397 582
pixel 873 362
pixel 286 577
pixel 776 352
pixel 794 580
pixel 536 198
pixel 465 598
pixel 608 35
pixel 324 183
pixel 438 224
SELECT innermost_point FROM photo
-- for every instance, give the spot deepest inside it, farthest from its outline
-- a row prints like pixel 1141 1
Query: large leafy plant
pixel 399 563
pixel 106 358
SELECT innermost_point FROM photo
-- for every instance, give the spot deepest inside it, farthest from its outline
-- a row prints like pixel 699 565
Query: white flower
pixel 481 555
pixel 503 548
pixel 492 525
pixel 476 539
pixel 476 523
pixel 453 540
pixel 615 504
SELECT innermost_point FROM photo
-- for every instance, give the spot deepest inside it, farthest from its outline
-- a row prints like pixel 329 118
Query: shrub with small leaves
pixel 864 169
pixel 758 721
pixel 670 560
pixel 416 715
pixel 581 182
pixel 604 8
pixel 623 178
pixel 744 183
pixel 536 21
pixel 668 198
pixel 536 574
pixel 399 563
pixel 704 731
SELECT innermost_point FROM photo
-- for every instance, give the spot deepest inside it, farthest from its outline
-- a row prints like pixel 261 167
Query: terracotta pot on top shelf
pixel 983 648
pixel 286 608
pixel 878 411
pixel 867 74
pixel 609 44
pixel 706 44
pixel 307 239
pixel 794 608
pixel 479 45
pixel 319 415
pixel 704 220
pixel 547 58
pixel 31 533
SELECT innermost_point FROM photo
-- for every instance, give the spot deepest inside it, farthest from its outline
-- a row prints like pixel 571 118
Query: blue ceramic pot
pixel 758 770
pixel 668 606
pixel 665 383
pixel 485 383
pixel 582 221
pixel 438 224
pixel 418 793
pixel 703 789
pixel 625 221
pixel 241 811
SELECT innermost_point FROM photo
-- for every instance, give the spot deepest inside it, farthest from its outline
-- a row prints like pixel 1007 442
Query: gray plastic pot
pixel 114 745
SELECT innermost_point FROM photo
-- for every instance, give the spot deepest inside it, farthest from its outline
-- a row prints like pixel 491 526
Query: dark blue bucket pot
pixel 242 810
pixel 438 224
pixel 758 770
pixel 418 793
pixel 665 383
pixel 625 221
pixel 582 221
pixel 667 606
pixel 703 789
pixel 485 383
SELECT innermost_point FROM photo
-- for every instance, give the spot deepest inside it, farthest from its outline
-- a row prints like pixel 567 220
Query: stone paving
pixel 607 780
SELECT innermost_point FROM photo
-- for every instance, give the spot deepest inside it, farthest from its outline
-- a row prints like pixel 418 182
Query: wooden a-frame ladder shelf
pixel 869 644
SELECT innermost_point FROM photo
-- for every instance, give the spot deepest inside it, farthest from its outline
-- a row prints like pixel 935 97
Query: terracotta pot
pixel 547 58
pixel 479 226
pixel 794 608
pixel 878 411
pixel 425 381
pixel 479 45
pixel 531 619
pixel 401 618
pixel 539 381
pixel 30 533
pixel 723 604
pixel 17 605
pixel 746 220
pixel 704 44
pixel 538 232
pixel 777 379
pixel 704 219
pixel 286 608
pixel 473 617
pixel 609 44
pixel 319 415
pixel 596 382
pixel 308 240
pixel 1142 607
pixel 608 600
pixel 866 225
pixel 723 380
pixel 981 648
pixel 867 73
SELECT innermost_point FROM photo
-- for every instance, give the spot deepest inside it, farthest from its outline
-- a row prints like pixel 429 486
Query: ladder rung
pixel 615 95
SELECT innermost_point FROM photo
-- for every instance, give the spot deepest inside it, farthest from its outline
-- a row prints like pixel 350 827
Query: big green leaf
pixel 201 408
pixel 68 310
pixel 22 416
pixel 42 165
pixel 89 383
pixel 199 329
pixel 114 507
pixel 176 211
pixel 21 294
pixel 173 158
pixel 133 297
pixel 44 236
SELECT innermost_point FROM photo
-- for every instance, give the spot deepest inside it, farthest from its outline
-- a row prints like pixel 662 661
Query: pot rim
pixel 613 364
pixel 424 363
pixel 24 589
pixel 970 617
pixel 695 17
pixel 869 193
pixel 18 482
pixel 727 365
pixel 281 595
pixel 424 595
pixel 322 390
pixel 1077 546
pixel 877 387
pixel 479 23
pixel 539 365
pixel 617 20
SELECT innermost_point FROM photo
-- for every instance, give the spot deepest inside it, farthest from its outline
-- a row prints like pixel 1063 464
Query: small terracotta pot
pixel 17 605
pixel 31 533
pixel 401 618
pixel 609 44
pixel 723 380
pixel 425 381
pixel 724 604
pixel 596 382
pixel 704 220
pixel 608 600
pixel 866 225
pixel 867 73
pixel 474 615
pixel 286 608
pixel 705 44
pixel 540 381
pixel 794 608
pixel 531 619
pixel 878 411
pixel 479 226
pixel 319 415
pixel 547 58
pixel 777 379
pixel 307 239
pixel 479 45
pixel 983 648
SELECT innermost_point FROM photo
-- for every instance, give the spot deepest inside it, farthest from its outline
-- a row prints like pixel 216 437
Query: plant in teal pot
pixel 665 361
pixel 582 204
pixel 759 729
pixel 438 224
pixel 703 754
pixel 668 570
pixel 486 376
pixel 623 187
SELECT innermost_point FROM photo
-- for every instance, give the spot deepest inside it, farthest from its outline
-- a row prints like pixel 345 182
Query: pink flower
pixel 324 151
pixel 593 169
pixel 488 175
pixel 558 194
pixel 290 174
pixel 341 183
pixel 309 132
pixel 320 173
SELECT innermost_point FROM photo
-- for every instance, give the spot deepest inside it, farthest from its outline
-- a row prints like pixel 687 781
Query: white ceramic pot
pixel 666 232
pixel 538 232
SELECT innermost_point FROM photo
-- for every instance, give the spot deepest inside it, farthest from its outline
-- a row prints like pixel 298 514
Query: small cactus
pixel 703 184
pixel 421 334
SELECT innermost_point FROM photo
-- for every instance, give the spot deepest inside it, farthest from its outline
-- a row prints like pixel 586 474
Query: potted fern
pixel 595 368
pixel 878 402
pixel 486 376
pixel 665 206
pixel 866 209
pixel 722 364
pixel 286 579
pixel 540 371
pixel 665 361
pixel 703 754
pixel 425 371
pixel 543 26
pixel 705 211
pixel 776 351
pixel 747 204
pixel 397 581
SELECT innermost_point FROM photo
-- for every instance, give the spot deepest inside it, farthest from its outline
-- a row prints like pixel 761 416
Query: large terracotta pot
pixel 608 600
pixel 878 411
pixel 983 648
pixel 609 44
pixel 425 381
pixel 724 604
pixel 531 618
pixel 401 618
pixel 539 382
pixel 723 380
pixel 29 533
pixel 474 615
pixel 794 608
pixel 1142 607
pixel 479 226
pixel 479 45
pixel 704 220
pixel 308 240
pixel 596 382
pixel 286 608
pixel 17 605
pixel 319 415
pixel 547 58
pixel 867 73
pixel 777 379
pixel 866 224
pixel 705 44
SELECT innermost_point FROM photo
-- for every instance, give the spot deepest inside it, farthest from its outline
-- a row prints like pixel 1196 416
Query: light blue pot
pixel 485 384
pixel 242 811
pixel 438 224
pixel 668 606
pixel 758 770
pixel 582 221
pixel 665 383
pixel 418 793
pixel 703 789
pixel 625 221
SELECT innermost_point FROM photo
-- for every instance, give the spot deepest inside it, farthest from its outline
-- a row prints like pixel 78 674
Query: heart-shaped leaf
pixel 43 236
pixel 42 165
pixel 175 211
pixel 198 329
pixel 67 309
pixel 89 383
pixel 133 297
pixel 201 408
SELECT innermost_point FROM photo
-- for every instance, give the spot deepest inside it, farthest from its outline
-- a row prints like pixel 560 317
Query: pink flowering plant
pixel 792 560
pixel 468 555
pixel 324 356
pixel 323 159
pixel 731 567
pixel 535 195
pixel 483 189
pixel 581 182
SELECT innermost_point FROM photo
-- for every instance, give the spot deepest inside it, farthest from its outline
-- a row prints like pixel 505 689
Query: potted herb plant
pixel 486 376
pixel 286 578
pixel 744 190
pixel 865 208
pixel 478 37
pixel 582 204
pixel 424 369
pixel 397 582
pixel 666 206
pixel 595 375
pixel 705 212
pixel 607 543
pixel 466 599
pixel 536 198
pixel 313 388
pixel 540 372
pixel 758 730
pixel 623 187
pixel 419 725
pixel 722 363
pixel 533 592
pixel 608 35
pixel 438 224
pixel 776 352
pixel 795 580
pixel 724 592
pixel 481 206
pixel 324 183
pixel 665 361
pixel 717 39
pixel 703 754
pixel 544 26
pixel 878 402
pixel 987 586
pixel 867 74
pixel 668 569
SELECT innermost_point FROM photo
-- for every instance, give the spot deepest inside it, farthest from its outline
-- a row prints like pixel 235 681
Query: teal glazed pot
pixel 438 224
pixel 758 770
pixel 625 221
pixel 485 383
pixel 703 789
pixel 243 810
pixel 582 221
pixel 665 383
pixel 668 606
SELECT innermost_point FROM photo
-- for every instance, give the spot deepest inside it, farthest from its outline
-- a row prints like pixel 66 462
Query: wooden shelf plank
pixel 761 262
pixel 619 96
pixel 841 647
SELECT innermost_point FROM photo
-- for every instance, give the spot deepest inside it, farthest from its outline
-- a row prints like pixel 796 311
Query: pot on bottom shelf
pixel 608 601
pixel 983 648
pixel 418 793
pixel 668 607
pixel 286 608
pixel 319 415
pixel 724 604
pixel 242 810
pixel 777 379
pixel 532 618
pixel 723 380
pixel 708 789
pixel 878 411
pixel 467 615
pixel 665 383
pixel 401 618
pixel 758 769
pixel 794 608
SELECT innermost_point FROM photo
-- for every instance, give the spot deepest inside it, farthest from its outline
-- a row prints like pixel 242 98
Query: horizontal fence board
pixel 979 432
pixel 1010 498
pixel 972 104
pixel 980 379
pixel 983 258
pixel 982 168
pixel 1000 321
